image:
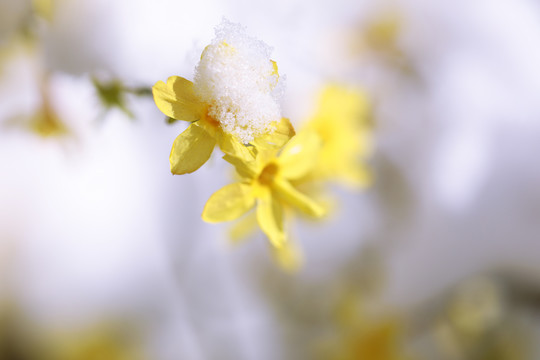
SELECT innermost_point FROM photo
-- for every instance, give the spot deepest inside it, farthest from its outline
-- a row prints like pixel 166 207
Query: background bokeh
pixel 103 254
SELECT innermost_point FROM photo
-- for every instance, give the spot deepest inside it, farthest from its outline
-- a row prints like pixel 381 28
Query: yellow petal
pixel 231 146
pixel 359 176
pixel 280 136
pixel 228 203
pixel 177 100
pixel 300 155
pixel 343 106
pixel 245 169
pixel 288 256
pixel 243 228
pixel 205 50
pixel 295 198
pixel 270 216
pixel 190 150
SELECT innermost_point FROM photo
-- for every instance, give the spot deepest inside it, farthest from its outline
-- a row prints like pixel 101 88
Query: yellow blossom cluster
pixel 271 160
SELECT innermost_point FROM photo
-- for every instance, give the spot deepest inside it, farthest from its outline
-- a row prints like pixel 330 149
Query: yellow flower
pixel 265 181
pixel 341 122
pixel 193 147
pixel 233 101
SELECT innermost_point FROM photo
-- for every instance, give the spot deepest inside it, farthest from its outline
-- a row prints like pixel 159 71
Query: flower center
pixel 268 174
pixel 209 119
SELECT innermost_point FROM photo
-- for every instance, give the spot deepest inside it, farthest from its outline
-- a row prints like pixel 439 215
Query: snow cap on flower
pixel 239 82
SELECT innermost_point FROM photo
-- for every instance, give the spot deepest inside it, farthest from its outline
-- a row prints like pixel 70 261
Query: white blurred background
pixel 95 233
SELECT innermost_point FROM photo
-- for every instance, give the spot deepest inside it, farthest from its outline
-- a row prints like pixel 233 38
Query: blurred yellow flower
pixel 341 122
pixel 46 123
pixel 374 341
pixel 265 181
pixel 233 100
pixel 382 34
pixel 379 40
pixel 481 321
pixel 289 257
pixel 94 345
pixel 366 330
pixel 23 339
pixel 44 8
